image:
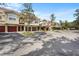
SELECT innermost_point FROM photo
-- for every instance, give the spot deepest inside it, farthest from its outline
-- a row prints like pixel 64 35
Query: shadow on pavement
pixel 60 46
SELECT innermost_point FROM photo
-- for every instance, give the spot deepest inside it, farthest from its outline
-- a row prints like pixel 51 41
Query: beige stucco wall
pixel 2 14
pixel 12 21
pixel 5 18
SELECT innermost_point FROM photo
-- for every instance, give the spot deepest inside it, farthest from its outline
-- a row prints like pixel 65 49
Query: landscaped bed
pixel 27 33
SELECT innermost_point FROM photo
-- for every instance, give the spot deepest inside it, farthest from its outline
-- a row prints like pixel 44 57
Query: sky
pixel 62 11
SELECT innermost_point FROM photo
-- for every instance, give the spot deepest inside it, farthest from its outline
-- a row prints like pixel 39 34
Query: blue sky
pixel 62 11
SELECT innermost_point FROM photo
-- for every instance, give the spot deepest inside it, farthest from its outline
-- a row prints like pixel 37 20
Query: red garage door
pixel 2 28
pixel 12 28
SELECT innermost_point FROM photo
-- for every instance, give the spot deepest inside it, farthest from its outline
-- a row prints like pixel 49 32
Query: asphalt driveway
pixel 56 43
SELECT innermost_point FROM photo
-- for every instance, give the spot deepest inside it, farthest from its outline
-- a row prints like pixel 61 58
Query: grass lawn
pixel 27 33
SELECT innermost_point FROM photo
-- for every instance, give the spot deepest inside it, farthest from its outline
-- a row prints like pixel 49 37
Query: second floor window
pixel 12 17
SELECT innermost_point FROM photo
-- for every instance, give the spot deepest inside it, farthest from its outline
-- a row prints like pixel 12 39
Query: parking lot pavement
pixel 9 42
pixel 56 43
pixel 61 45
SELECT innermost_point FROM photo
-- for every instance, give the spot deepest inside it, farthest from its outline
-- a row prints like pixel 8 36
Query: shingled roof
pixel 8 10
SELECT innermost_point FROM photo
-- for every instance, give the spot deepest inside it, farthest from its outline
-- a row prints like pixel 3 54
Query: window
pixel 12 17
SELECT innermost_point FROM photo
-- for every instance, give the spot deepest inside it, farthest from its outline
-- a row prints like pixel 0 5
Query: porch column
pixel 36 28
pixel 6 28
pixel 24 28
pixel 17 28
pixel 39 28
pixel 44 28
pixel 31 28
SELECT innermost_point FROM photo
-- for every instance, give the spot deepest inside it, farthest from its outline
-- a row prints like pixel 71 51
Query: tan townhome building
pixel 11 22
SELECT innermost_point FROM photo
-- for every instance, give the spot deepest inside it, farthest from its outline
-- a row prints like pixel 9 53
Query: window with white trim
pixel 12 16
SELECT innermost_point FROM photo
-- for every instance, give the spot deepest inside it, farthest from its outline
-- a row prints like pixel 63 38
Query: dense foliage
pixel 76 22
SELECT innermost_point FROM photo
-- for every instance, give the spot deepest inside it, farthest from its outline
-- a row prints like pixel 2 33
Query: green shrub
pixel 27 33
